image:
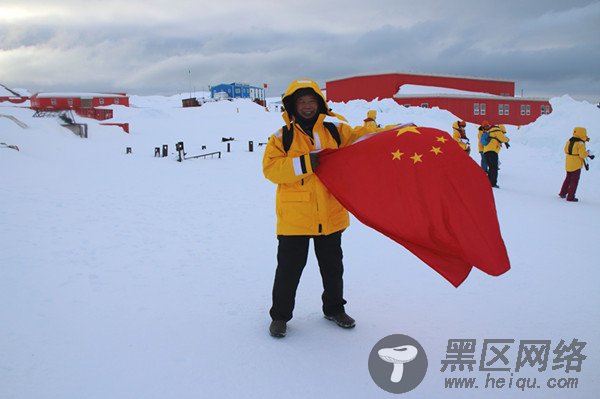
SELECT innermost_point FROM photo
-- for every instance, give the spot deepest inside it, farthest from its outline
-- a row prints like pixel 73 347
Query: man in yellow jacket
pixel 305 209
pixel 491 150
pixel 576 154
pixel 459 135
pixel 484 127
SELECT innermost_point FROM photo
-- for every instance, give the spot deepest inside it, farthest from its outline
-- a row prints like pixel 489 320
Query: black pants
pixel 492 160
pixel 292 254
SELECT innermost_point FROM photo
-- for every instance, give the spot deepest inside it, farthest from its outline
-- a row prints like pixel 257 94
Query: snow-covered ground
pixel 129 276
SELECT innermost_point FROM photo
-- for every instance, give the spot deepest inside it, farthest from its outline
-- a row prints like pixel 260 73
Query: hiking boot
pixel 278 328
pixel 342 320
pixel 573 199
pixel 562 195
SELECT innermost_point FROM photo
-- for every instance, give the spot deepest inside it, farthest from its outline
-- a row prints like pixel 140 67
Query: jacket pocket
pixel 298 196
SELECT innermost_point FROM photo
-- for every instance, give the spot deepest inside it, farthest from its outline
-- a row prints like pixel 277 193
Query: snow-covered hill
pixel 130 276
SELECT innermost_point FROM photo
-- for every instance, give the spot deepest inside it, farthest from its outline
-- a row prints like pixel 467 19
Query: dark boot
pixel 342 320
pixel 278 328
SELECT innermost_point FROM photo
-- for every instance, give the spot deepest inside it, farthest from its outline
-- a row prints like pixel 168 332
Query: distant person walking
pixel 576 153
pixel 305 208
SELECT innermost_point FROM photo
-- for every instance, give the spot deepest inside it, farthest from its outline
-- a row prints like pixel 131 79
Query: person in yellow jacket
pixel 370 121
pixel 491 150
pixel 576 153
pixel 305 208
pixel 484 127
pixel 459 135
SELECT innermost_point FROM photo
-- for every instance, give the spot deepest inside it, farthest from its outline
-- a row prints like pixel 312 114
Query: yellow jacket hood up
pixel 575 150
pixel 581 133
pixel 288 100
pixel 303 205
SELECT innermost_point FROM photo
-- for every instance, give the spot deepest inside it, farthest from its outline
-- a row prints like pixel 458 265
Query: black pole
pixel 179 148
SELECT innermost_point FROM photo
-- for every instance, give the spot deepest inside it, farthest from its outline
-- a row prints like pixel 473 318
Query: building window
pixel 527 109
pixel 101 101
pixel 500 109
pixel 506 109
pixel 482 109
pixel 70 102
pixel 116 101
pixel 547 109
pixel 53 101
pixel 424 105
pixel 522 109
pixel 476 109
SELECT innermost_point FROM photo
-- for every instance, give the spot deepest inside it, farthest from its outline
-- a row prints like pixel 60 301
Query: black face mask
pixel 306 124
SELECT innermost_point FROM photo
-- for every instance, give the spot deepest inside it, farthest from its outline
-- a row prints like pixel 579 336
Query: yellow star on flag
pixel 412 129
pixel 397 155
pixel 436 150
pixel 416 158
pixel 441 139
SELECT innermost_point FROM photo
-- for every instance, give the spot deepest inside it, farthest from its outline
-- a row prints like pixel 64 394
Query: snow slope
pixel 129 276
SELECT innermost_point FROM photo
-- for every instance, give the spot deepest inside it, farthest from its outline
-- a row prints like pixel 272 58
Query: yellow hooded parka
pixel 303 205
pixel 578 153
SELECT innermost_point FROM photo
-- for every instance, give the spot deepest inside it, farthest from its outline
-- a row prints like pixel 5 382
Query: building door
pixel 86 103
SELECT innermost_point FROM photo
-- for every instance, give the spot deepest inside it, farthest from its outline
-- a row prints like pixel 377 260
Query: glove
pixel 507 145
pixel 591 156
pixel 314 160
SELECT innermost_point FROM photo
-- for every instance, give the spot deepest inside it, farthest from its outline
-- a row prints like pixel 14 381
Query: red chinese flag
pixel 265 85
pixel 419 188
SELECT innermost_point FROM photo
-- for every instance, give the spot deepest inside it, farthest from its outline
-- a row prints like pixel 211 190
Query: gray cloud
pixel 548 47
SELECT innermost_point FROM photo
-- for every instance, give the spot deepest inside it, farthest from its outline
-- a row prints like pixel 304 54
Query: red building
pixel 84 104
pixel 14 99
pixel 497 105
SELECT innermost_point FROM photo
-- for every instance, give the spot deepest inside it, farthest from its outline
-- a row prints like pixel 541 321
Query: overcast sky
pixel 549 48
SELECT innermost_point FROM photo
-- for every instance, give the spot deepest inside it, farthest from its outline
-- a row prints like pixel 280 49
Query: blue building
pixel 237 90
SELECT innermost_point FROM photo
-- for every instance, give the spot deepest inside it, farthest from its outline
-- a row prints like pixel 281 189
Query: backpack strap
pixel 334 132
pixel 288 135
pixel 497 129
pixel 572 142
